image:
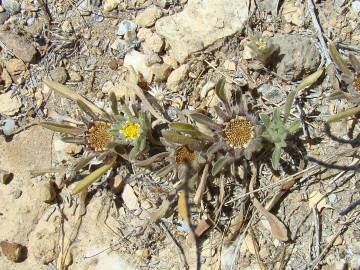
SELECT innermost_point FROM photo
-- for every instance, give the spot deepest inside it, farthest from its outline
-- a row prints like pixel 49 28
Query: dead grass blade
pixel 278 229
pixel 341 115
pixel 95 175
pixel 70 94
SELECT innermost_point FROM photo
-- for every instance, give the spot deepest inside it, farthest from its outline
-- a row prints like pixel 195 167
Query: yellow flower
pixel 130 130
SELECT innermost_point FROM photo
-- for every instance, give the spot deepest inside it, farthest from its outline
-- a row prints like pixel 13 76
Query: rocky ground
pixel 178 51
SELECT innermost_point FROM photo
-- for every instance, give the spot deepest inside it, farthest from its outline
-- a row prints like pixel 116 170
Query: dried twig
pixel 317 26
pixel 317 231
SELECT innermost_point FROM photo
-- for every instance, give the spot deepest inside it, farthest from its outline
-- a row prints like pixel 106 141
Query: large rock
pixel 298 56
pixel 9 105
pixel 19 46
pixel 201 23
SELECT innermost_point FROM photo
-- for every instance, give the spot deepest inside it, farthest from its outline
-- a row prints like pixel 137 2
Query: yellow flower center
pixel 130 130
pixel 356 83
pixel 261 44
pixel 99 135
pixel 238 132
pixel 184 154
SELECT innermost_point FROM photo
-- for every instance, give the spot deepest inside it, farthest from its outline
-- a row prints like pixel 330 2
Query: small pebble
pixel 8 127
pixel 13 251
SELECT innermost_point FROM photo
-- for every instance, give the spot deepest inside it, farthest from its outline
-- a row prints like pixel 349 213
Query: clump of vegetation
pixel 262 48
pixel 277 132
pixel 106 136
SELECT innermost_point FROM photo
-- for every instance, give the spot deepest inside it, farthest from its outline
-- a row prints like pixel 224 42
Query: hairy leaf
pixel 275 158
pixel 95 175
pixel 218 166
pixel 203 119
pixel 339 61
pixel 70 94
pixel 86 109
pixel 341 115
pixel 265 119
pixel 66 129
pixel 114 104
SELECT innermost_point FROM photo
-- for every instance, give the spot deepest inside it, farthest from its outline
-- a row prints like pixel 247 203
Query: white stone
pixel 110 5
pixel 129 197
pixel 148 17
pixel 201 23
pixel 138 61
pixel 177 76
pixel 126 28
pixel 355 6
pixel 9 105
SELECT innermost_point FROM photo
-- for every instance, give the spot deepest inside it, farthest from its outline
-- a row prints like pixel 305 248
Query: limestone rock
pixel 149 16
pixel 138 61
pixel 177 76
pixel 299 56
pixel 9 105
pixel 15 66
pixel 161 71
pixel 201 23
pixel 19 46
pixel 110 5
pixel 129 197
pixel 59 75
pixel 11 6
pixel 45 192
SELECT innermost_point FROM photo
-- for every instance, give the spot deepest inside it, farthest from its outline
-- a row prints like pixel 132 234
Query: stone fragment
pixel 272 93
pixel 201 23
pixel 155 42
pixel 9 105
pixel 19 46
pixel 127 29
pixel 59 75
pixel 161 71
pixel 11 6
pixel 116 184
pixel 13 251
pixel 75 76
pixel 45 192
pixel 293 13
pixel 298 56
pixel 138 61
pixel 148 17
pixel 229 65
pixel 15 66
pixel 129 198
pixel 3 17
pixel 110 5
pixel 9 126
pixel 177 76
pixel 5 177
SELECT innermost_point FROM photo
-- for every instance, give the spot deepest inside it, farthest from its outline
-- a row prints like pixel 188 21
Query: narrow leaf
pixel 288 104
pixel 174 137
pixel 341 115
pixel 294 126
pixel 339 61
pixel 220 92
pixel 265 119
pixel 183 207
pixel 275 158
pixel 70 94
pixel 114 104
pixel 182 126
pixel 66 129
pixel 203 119
pixel 310 80
pixel 95 175
pixel 218 166
pixel 151 160
pixel 86 109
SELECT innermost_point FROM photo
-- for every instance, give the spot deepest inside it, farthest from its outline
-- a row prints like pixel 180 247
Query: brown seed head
pixel 184 154
pixel 238 132
pixel 356 83
pixel 99 135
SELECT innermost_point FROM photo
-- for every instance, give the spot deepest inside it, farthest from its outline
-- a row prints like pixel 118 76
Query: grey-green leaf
pixel 275 159
pixel 265 119
pixel 218 166
pixel 66 129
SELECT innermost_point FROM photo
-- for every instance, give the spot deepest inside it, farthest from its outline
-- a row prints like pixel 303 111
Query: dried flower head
pixel 238 132
pixel 183 154
pixel 99 135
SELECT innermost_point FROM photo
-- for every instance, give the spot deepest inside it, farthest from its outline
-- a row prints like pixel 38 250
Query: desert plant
pixel 106 136
pixel 276 132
